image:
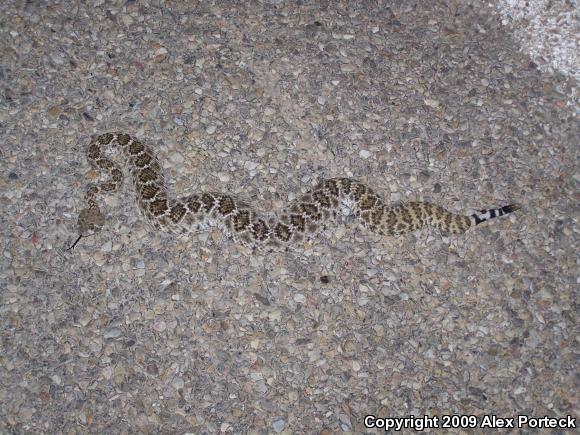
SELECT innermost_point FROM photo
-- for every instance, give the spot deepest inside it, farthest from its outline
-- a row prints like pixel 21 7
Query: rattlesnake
pixel 295 224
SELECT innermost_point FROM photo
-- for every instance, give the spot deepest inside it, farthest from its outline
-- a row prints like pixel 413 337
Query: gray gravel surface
pixel 135 331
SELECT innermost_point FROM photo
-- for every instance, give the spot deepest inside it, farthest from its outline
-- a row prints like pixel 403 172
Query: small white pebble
pixel 85 319
pixel 176 157
pixel 362 301
pixel 99 258
pixel 160 325
pixel 279 425
pixel 365 154
pixel 275 316
pixel 224 177
pixel 431 103
pixel 112 333
pixel 347 67
pixel 127 19
pixel 299 298
pixel 177 383
pixel 250 166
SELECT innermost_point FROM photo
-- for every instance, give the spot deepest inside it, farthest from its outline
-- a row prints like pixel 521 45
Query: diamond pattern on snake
pixel 298 222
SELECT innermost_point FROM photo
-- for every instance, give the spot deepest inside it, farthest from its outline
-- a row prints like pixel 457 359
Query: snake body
pixel 297 222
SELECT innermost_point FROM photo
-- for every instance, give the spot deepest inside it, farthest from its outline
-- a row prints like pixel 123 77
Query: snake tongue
pixel 75 243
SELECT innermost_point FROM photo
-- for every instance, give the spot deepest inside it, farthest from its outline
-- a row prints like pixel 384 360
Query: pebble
pixel 85 319
pixel 176 157
pixel 224 177
pixel 26 413
pixel 162 51
pixel 299 298
pixel 160 325
pixel 56 379
pixel 362 301
pixel 250 166
pixel 127 19
pixel 431 103
pixel 279 425
pixel 107 247
pixel 112 333
pixel 99 258
pixel 178 383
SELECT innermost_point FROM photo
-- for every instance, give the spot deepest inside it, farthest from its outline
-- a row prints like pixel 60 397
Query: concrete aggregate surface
pixel 137 331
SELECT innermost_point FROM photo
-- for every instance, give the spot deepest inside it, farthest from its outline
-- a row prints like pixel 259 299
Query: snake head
pixel 91 221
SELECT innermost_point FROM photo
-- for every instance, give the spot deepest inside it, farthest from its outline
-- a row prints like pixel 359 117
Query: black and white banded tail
pixel 491 213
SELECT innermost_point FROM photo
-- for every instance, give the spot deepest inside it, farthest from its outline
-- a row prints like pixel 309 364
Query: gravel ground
pixel 549 31
pixel 137 331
